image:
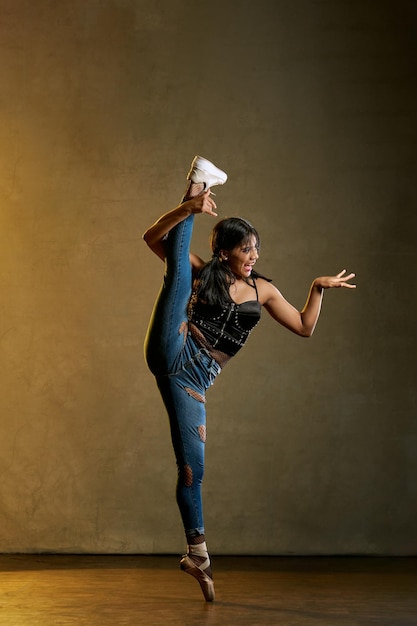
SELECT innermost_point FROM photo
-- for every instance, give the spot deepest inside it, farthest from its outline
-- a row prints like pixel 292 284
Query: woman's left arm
pixel 304 322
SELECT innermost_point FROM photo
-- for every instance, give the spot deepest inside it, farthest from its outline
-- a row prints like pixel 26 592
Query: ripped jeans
pixel 183 372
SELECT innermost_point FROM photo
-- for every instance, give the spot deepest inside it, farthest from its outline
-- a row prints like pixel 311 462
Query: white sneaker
pixel 204 171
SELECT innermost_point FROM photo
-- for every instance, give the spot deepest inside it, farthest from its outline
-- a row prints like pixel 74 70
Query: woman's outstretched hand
pixel 340 280
pixel 202 204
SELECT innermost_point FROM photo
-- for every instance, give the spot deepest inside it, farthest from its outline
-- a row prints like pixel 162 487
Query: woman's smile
pixel 242 258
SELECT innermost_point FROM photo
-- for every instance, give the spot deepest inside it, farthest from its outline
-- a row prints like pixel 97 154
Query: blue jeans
pixel 183 372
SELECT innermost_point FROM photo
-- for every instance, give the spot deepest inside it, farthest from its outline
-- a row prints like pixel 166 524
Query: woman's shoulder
pixel 196 263
pixel 261 281
pixel 266 289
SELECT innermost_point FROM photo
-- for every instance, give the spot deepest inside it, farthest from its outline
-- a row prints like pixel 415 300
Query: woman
pixel 203 315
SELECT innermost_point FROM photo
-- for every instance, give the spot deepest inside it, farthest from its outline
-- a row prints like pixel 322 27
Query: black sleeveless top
pixel 225 329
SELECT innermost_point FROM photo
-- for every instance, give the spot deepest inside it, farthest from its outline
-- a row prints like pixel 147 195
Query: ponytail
pixel 213 283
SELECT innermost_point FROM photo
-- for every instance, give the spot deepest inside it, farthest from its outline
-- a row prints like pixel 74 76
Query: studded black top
pixel 225 329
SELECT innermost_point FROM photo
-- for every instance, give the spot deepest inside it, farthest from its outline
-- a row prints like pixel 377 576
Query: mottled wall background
pixel 310 106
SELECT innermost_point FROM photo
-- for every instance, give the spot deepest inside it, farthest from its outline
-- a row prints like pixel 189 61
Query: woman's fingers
pixel 343 279
pixel 208 204
pixel 340 280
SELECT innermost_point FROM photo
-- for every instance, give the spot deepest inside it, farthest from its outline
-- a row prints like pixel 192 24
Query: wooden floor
pixel 39 590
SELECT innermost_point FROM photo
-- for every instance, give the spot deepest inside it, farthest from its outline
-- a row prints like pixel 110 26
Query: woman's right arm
pixel 155 235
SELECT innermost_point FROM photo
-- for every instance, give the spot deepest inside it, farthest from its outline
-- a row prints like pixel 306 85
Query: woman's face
pixel 242 258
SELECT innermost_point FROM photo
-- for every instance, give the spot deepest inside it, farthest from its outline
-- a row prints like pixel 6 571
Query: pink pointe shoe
pixel 204 171
pixel 206 583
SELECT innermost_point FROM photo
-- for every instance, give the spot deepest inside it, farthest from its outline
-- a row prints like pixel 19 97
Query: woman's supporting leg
pixel 187 417
pixel 186 410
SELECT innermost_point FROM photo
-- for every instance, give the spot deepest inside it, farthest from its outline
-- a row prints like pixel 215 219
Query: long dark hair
pixel 214 280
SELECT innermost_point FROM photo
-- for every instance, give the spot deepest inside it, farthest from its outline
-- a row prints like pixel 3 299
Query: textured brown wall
pixel 310 106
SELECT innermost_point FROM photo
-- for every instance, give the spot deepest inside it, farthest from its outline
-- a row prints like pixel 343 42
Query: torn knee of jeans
pixel 183 330
pixel 188 476
pixel 195 394
pixel 202 433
